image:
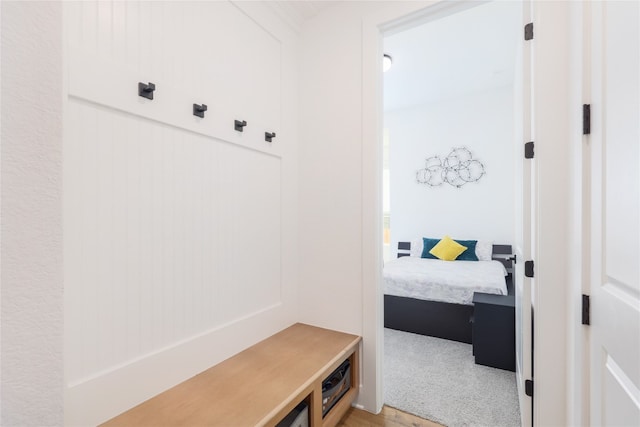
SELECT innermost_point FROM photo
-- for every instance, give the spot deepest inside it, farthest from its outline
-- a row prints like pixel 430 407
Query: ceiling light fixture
pixel 386 63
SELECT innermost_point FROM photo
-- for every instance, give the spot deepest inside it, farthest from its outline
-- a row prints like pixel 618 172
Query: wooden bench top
pixel 250 388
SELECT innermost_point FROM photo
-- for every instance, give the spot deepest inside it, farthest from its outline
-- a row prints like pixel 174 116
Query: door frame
pixel 578 385
pixel 551 129
pixel 524 233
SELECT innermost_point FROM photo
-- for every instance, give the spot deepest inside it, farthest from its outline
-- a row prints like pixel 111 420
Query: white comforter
pixel 446 281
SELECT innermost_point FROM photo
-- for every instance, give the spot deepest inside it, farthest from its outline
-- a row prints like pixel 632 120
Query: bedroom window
pixel 386 216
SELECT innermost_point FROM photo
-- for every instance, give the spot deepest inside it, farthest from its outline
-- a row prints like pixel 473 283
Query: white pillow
pixel 416 247
pixel 484 250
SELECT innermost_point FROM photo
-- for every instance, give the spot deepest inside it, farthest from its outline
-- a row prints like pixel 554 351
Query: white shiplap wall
pixel 163 228
pixel 173 224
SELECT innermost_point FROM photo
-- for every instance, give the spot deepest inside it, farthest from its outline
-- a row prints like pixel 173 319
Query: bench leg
pixel 315 409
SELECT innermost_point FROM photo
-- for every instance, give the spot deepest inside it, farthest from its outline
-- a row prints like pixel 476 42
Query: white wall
pixel 335 290
pixel 551 132
pixel 481 122
pixel 31 212
pixel 180 232
pixel 330 155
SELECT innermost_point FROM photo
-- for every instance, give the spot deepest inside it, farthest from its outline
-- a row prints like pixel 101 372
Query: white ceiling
pixel 296 12
pixel 469 51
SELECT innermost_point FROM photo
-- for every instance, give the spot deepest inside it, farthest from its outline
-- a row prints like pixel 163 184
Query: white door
pixel 524 241
pixel 615 254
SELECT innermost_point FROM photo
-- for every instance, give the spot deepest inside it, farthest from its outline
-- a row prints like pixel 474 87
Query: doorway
pixel 437 116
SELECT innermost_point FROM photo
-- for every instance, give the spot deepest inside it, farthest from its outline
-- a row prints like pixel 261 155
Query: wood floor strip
pixel 388 417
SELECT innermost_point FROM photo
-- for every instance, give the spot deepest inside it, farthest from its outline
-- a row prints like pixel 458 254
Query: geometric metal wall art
pixel 457 169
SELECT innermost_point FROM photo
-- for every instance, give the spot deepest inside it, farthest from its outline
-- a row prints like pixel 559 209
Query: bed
pixel 433 297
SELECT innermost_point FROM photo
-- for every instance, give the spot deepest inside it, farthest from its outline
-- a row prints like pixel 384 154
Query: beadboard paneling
pixel 173 234
pixel 173 224
pixel 194 52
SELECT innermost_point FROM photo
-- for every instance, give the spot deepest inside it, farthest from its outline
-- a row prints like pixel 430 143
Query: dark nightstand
pixel 494 330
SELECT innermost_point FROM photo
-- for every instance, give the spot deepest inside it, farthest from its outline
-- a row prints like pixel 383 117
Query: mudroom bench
pixel 261 385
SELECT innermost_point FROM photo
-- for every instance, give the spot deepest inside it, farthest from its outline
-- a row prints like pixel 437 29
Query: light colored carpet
pixel 438 380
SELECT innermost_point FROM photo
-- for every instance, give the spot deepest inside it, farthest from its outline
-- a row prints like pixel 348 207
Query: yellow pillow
pixel 447 249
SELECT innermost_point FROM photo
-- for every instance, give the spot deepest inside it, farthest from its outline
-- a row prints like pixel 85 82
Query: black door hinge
pixel 528 268
pixel 528 387
pixel 586 119
pixel 528 31
pixel 528 150
pixel 586 310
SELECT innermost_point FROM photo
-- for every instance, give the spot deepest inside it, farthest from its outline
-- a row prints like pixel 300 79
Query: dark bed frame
pixel 434 318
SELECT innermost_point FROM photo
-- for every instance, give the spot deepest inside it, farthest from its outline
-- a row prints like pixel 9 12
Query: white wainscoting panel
pixel 173 234
pixel 212 50
pixel 173 224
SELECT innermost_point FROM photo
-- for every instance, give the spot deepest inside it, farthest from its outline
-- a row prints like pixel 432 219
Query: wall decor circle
pixel 457 169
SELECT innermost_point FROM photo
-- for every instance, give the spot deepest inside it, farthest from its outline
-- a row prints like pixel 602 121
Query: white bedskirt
pixel 445 281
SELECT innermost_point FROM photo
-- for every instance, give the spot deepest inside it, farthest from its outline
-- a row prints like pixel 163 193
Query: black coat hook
pixel 268 136
pixel 198 110
pixel 239 125
pixel 146 90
